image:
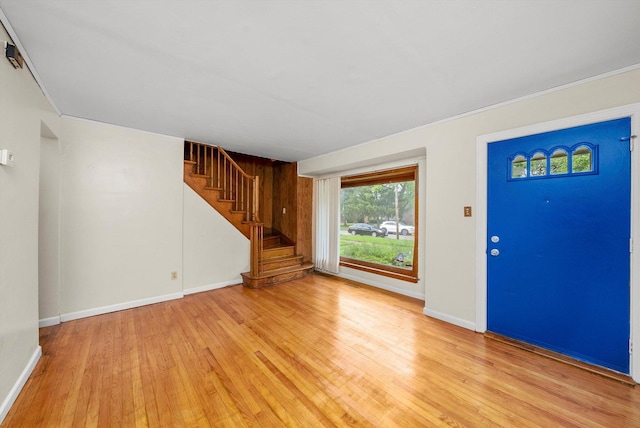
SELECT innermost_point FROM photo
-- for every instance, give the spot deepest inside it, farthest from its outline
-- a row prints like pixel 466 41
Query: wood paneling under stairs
pixel 263 168
pixel 316 352
pixel 285 180
pixel 304 239
pixel 293 206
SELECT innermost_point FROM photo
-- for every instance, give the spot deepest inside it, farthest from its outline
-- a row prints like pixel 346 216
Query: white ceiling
pixel 290 80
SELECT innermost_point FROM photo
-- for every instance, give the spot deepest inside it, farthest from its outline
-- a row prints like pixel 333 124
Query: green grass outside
pixel 376 250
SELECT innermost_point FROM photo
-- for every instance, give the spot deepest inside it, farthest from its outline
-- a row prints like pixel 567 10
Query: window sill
pixel 389 272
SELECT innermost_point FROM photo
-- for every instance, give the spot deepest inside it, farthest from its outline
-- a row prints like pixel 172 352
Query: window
pixel 559 162
pixel 519 167
pixel 538 164
pixel 378 216
pixel 562 161
pixel 581 160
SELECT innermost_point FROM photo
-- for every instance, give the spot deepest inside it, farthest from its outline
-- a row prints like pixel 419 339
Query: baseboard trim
pixel 396 290
pixel 450 319
pixel 119 307
pixel 210 287
pixel 17 387
pixel 47 322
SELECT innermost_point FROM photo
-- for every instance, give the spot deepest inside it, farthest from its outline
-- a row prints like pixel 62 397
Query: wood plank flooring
pixel 315 352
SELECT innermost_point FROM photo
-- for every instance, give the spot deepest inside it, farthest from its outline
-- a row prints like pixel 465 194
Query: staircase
pixel 211 173
pixel 279 263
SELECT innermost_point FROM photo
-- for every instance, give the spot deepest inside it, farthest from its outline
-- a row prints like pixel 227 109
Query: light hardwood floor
pixel 314 352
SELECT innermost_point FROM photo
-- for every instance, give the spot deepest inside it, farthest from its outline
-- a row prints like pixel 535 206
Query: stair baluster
pixel 226 175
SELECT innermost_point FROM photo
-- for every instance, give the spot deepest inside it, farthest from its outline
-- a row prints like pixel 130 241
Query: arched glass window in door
pixel 582 160
pixel 538 164
pixel 519 167
pixel 559 162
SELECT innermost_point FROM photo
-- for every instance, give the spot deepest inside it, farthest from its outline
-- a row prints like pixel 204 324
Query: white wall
pixel 215 252
pixel 449 257
pixel 22 110
pixel 121 217
pixel 49 231
pixel 111 228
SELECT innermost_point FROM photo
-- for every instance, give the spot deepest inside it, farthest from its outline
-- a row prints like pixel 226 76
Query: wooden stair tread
pixel 281 246
pixel 275 272
pixel 269 243
pixel 283 258
pixel 212 188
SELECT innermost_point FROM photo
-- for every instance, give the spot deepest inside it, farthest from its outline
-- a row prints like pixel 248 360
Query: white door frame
pixel 482 142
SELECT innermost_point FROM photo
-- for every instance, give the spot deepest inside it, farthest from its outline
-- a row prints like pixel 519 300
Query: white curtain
pixel 327 224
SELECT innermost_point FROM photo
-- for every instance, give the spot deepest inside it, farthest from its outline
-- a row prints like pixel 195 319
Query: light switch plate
pixel 6 158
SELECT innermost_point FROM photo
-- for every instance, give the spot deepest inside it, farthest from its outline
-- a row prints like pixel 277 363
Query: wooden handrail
pixel 227 176
pixel 234 185
pixel 221 150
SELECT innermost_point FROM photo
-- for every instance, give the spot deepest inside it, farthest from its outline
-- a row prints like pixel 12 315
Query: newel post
pixel 257 232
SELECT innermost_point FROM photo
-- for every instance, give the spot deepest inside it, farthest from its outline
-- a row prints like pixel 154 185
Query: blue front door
pixel 558 262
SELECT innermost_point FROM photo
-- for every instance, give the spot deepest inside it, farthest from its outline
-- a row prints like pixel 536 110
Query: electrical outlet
pixel 174 275
pixel 467 211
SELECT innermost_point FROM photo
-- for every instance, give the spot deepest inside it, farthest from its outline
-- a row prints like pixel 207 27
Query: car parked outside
pixel 390 227
pixel 365 229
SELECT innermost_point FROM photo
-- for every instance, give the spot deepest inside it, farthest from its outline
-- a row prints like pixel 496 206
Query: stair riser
pixel 278 252
pixel 266 265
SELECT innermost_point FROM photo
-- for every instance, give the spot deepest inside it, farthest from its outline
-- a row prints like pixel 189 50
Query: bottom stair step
pixel 281 262
pixel 276 276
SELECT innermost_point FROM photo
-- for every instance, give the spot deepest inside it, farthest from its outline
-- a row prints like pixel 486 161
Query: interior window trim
pixel 385 177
